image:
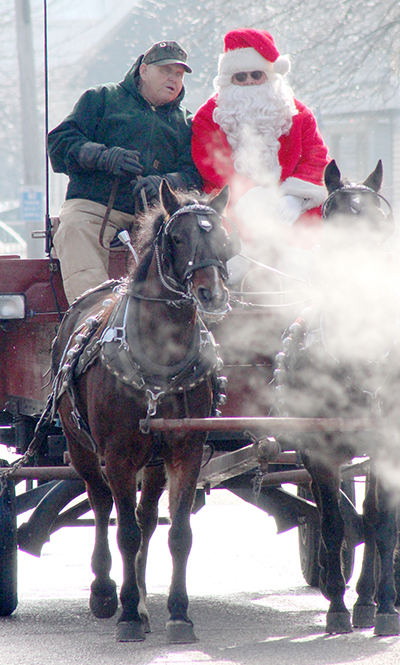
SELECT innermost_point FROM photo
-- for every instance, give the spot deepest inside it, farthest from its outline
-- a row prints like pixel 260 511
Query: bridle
pixel 354 191
pixel 203 213
pixel 183 287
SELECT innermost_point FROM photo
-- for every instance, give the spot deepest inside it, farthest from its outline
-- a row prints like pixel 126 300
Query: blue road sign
pixel 32 204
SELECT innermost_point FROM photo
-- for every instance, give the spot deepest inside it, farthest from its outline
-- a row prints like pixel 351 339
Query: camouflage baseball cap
pixel 166 53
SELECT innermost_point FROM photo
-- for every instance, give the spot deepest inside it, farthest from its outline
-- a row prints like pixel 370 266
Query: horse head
pixel 193 248
pixel 358 205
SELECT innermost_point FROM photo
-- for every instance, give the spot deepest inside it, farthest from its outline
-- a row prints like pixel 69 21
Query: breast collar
pixel 121 353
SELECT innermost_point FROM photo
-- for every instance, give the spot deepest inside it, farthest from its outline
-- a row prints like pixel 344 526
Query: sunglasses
pixel 240 77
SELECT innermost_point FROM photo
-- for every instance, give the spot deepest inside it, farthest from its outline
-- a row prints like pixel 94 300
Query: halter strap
pixel 201 211
pixel 204 264
pixel 198 208
pixel 353 189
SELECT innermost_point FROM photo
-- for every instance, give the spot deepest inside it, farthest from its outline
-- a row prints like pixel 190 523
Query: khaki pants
pixel 83 261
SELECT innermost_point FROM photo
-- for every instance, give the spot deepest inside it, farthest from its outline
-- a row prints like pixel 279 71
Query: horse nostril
pixel 205 295
pixel 211 298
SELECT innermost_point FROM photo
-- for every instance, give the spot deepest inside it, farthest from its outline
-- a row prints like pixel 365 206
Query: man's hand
pixel 150 184
pixel 120 162
pixel 116 160
pixel 288 209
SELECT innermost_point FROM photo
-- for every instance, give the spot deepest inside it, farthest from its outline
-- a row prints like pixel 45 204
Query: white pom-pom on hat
pixel 282 65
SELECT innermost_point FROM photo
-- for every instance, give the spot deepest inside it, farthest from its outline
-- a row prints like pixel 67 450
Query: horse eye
pixel 177 240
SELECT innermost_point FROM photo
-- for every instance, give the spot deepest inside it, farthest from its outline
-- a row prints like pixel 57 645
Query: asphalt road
pixel 248 601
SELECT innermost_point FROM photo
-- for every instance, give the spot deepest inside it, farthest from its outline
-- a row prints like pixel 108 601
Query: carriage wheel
pixel 309 540
pixel 8 548
pixel 309 537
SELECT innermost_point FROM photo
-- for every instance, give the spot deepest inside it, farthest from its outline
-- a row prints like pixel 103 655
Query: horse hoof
pixel 146 623
pixel 338 622
pixel 130 631
pixel 103 605
pixel 387 624
pixel 180 632
pixel 364 616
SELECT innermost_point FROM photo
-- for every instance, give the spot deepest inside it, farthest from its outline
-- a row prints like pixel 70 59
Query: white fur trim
pixel 282 65
pixel 314 195
pixel 243 60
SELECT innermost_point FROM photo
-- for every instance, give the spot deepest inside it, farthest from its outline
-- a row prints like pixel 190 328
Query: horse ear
pixel 374 180
pixel 332 177
pixel 168 198
pixel 220 201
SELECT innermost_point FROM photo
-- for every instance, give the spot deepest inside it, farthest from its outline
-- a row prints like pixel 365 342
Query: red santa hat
pixel 247 50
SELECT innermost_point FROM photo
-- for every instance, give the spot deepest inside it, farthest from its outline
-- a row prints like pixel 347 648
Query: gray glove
pixel 117 161
pixel 151 185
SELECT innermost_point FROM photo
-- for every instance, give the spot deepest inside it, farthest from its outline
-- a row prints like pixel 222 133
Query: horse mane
pixel 147 226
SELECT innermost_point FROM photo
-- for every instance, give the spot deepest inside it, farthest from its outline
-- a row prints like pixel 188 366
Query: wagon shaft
pixel 268 426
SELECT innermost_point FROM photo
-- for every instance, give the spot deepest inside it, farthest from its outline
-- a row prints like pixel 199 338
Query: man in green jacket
pixel 121 138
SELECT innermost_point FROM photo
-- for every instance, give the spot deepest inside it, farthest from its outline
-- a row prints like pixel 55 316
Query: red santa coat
pixel 302 156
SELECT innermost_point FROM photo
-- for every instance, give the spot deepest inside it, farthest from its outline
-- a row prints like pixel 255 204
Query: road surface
pixel 248 601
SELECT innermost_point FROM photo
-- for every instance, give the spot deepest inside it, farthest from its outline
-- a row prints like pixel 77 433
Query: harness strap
pixel 204 264
pixel 65 379
pixel 175 303
pixel 79 421
pixel 156 459
pixel 110 204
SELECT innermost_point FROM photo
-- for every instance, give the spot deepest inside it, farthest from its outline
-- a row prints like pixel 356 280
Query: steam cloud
pixel 351 300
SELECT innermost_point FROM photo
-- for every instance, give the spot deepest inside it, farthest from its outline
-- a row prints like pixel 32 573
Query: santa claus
pixel 254 135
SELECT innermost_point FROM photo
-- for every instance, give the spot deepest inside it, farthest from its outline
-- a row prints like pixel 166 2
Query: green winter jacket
pixel 116 114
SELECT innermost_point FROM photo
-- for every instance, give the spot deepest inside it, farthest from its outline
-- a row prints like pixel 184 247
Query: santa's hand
pixel 289 209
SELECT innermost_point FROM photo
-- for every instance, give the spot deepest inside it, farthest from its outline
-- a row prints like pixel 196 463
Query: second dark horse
pixel 340 359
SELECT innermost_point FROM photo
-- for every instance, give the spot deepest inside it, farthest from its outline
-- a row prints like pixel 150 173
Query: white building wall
pixel 396 166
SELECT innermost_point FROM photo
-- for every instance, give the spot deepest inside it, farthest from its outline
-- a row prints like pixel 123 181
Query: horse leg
pixel 365 607
pixel 396 565
pixel 326 493
pixel 380 520
pixel 103 593
pixel 183 471
pixel 387 618
pixel 122 478
pixel 103 597
pixel 153 484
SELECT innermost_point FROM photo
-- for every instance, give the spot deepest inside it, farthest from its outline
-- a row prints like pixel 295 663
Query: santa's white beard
pixel 253 118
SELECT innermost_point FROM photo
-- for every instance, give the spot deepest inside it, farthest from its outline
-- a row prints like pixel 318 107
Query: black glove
pixel 120 162
pixel 117 161
pixel 150 184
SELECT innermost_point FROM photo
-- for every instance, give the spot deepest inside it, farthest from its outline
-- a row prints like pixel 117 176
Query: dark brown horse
pixel 340 359
pixel 125 352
